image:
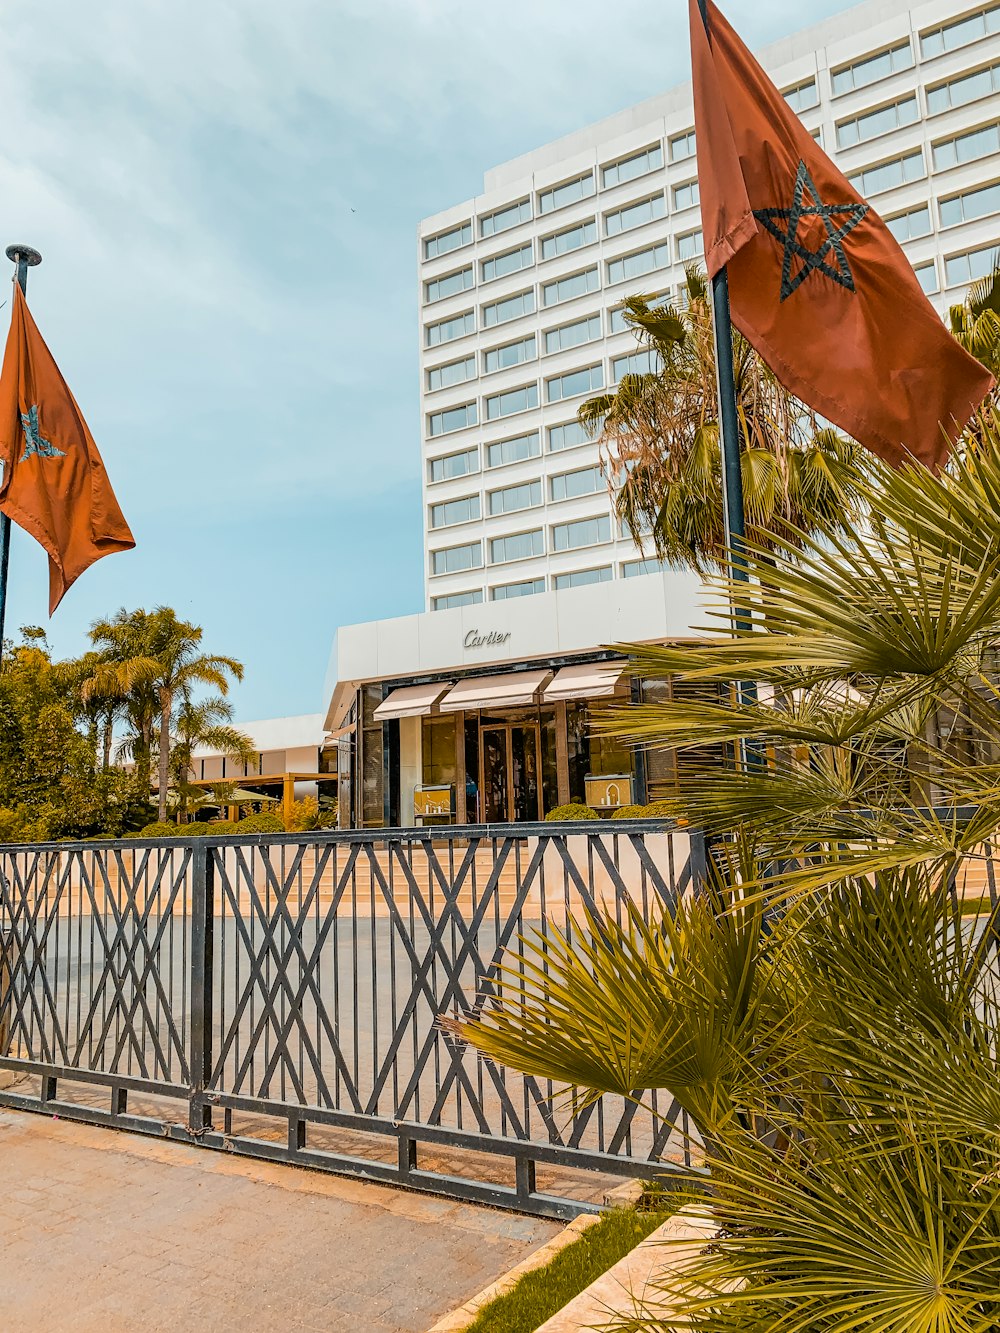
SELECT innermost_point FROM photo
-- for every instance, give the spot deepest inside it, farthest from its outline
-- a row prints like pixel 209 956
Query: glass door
pixel 494 774
pixel 509 773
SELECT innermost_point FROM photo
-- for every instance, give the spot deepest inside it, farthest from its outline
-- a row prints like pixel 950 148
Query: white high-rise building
pixel 521 288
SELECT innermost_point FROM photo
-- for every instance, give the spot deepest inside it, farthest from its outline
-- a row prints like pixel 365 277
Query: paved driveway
pixel 106 1231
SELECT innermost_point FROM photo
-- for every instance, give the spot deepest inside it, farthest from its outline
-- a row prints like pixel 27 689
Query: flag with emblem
pixel 818 284
pixel 53 482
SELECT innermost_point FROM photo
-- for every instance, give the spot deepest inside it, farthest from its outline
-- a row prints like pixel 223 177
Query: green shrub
pixel 655 810
pixel 263 823
pixel 156 830
pixel 218 828
pixel 572 811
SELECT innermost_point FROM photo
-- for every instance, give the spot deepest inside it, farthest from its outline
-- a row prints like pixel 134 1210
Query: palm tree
pixel 660 438
pixel 122 678
pixel 155 659
pixel 207 723
pixel 976 321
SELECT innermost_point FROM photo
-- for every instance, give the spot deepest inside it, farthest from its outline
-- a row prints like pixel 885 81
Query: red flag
pixel 817 283
pixel 54 484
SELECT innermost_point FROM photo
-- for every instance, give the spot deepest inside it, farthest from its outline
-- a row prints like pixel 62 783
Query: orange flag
pixel 817 283
pixel 53 484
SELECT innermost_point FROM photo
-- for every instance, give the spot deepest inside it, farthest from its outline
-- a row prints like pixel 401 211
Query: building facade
pixel 521 287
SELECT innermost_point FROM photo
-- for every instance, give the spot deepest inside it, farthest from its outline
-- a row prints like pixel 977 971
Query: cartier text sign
pixel 492 640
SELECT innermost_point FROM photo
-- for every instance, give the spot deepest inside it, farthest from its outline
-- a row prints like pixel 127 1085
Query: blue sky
pixel 242 343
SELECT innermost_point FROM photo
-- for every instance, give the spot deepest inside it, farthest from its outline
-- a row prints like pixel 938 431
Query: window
pixel 682 146
pixel 971 266
pixel 566 436
pixel 574 382
pixel 861 73
pixel 513 400
pixel 907 226
pixel 463 463
pixel 450 329
pixel 519 546
pixel 513 498
pixel 491 224
pixel 455 558
pixel 686 195
pixel 447 241
pixel 452 418
pixel 573 335
pixel 562 242
pixel 449 512
pixel 961 32
pixel 873 123
pixel 635 363
pixel 873 180
pixel 927 276
pixel 582 187
pixel 512 307
pixel 968 88
pixel 511 261
pixel 581 577
pixel 451 283
pixel 526 588
pixel 632 569
pixel 511 354
pixel 690 245
pixel 452 599
pixel 585 481
pixel 454 372
pixel 616 318
pixel 514 450
pixel 967 147
pixel 643 261
pixel 973 204
pixel 565 289
pixel 802 96
pixel 634 215
pixel 629 167
pixel 582 532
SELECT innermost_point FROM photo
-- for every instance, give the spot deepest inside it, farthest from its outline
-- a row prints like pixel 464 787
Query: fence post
pixel 202 948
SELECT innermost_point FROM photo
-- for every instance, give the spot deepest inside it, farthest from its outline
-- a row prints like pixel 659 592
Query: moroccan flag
pixel 53 484
pixel 817 283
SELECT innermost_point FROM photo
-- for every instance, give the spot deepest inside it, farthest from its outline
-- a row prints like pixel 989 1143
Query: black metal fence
pixel 281 997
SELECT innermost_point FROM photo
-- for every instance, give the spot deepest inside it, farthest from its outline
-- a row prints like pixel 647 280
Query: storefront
pixel 509 727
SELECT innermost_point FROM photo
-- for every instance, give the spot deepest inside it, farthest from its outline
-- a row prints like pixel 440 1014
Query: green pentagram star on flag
pixel 813 261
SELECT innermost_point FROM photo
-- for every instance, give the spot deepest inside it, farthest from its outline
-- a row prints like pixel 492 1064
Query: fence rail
pixel 281 997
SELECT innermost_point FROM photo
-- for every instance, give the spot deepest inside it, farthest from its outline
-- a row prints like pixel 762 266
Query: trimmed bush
pixel 572 811
pixel 655 810
pixel 260 824
pixel 217 829
pixel 156 830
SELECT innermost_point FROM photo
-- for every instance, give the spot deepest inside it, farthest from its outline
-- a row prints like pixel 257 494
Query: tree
pixel 976 321
pixel 155 659
pixel 660 438
pixel 208 723
pixel 123 681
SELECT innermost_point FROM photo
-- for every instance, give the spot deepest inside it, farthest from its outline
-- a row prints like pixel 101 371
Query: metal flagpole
pixel 22 257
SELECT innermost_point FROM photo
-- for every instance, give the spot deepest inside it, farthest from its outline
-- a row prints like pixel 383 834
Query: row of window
pixel 969 146
pixel 499 453
pixel 577 578
pixel 522 495
pixel 687 246
pixel 966 207
pixel 524 350
pixel 570 536
pixel 956 92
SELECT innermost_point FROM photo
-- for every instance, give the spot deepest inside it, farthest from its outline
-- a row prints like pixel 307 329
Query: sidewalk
pixel 106 1232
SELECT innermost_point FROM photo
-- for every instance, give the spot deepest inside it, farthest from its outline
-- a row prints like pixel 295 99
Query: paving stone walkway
pixel 101 1230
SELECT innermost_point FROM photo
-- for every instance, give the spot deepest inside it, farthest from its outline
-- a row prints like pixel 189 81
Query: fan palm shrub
pixel 821 1009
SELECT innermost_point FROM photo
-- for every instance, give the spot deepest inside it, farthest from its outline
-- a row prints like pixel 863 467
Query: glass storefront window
pixel 372 760
pixel 438 751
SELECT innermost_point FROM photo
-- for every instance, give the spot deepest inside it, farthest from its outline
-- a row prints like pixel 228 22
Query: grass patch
pixel 976 906
pixel 538 1295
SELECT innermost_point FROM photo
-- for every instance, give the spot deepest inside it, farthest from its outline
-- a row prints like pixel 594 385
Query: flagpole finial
pixel 23 257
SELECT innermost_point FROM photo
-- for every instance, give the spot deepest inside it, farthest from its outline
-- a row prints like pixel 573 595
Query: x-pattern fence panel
pixel 290 990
